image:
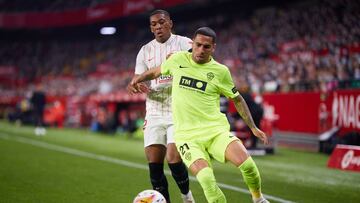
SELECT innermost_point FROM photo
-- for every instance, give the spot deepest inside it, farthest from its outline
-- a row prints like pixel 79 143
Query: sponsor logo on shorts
pixel 188 156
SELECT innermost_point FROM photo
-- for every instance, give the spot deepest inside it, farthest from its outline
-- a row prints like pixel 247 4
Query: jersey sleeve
pixel 185 43
pixel 171 62
pixel 140 66
pixel 226 86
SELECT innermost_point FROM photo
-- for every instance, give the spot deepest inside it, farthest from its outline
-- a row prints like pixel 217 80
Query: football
pixel 149 196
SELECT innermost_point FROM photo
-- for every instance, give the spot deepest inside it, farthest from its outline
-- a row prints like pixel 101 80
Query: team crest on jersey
pixel 210 76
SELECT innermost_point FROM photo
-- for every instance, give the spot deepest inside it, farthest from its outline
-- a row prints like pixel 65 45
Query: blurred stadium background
pixel 296 62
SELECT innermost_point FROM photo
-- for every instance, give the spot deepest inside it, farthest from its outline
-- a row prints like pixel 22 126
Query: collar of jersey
pixel 168 40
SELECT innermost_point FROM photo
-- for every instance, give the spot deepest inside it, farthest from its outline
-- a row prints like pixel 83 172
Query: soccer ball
pixel 149 196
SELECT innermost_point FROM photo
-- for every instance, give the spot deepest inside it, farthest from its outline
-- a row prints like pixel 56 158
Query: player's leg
pixel 155 151
pixel 41 122
pixel 155 155
pixel 205 175
pixel 227 147
pixel 177 167
pixel 197 159
pixel 237 154
pixel 38 121
pixel 179 172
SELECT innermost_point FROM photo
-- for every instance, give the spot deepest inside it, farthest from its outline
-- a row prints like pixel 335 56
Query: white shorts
pixel 158 130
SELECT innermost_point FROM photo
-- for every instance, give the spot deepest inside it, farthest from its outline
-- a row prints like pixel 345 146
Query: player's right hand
pixel 132 86
pixel 136 88
pixel 142 87
pixel 260 134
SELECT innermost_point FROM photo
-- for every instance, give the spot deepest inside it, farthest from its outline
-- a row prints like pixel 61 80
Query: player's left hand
pixel 260 134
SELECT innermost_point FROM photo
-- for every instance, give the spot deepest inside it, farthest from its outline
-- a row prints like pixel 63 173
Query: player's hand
pixel 142 87
pixel 260 134
pixel 135 88
pixel 131 88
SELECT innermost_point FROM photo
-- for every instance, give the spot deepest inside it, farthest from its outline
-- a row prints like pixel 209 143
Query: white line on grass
pixel 116 161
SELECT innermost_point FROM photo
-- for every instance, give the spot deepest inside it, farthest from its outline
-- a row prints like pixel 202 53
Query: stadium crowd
pixel 45 6
pixel 308 46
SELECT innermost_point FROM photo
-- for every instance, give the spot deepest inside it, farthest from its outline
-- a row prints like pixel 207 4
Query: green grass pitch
pixel 74 165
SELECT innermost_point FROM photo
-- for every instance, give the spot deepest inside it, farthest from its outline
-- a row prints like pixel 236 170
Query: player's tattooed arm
pixel 244 112
pixel 243 109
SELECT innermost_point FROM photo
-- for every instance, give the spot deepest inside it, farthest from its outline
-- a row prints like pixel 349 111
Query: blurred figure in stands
pixel 38 101
pixel 256 110
pixel 158 124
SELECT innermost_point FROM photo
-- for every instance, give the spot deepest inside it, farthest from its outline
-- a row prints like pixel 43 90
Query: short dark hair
pixel 160 11
pixel 207 32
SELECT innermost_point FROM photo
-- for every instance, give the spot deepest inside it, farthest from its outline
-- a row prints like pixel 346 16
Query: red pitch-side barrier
pixel 297 112
pixel 345 157
pixel 315 112
pixel 308 112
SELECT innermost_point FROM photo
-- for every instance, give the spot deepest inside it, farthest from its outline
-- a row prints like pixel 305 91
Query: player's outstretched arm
pixel 243 109
pixel 136 85
pixel 147 75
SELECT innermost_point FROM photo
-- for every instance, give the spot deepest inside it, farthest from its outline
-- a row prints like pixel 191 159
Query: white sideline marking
pixel 116 161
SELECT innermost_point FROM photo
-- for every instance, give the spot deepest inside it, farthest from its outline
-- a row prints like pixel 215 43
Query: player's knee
pixel 236 153
pixel 240 160
pixel 155 159
pixel 155 153
pixel 198 165
pixel 173 156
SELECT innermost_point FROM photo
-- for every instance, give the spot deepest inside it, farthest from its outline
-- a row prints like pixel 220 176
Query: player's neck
pixel 201 62
pixel 163 40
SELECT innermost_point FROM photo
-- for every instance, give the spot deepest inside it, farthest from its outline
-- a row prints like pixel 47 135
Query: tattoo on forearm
pixel 244 111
